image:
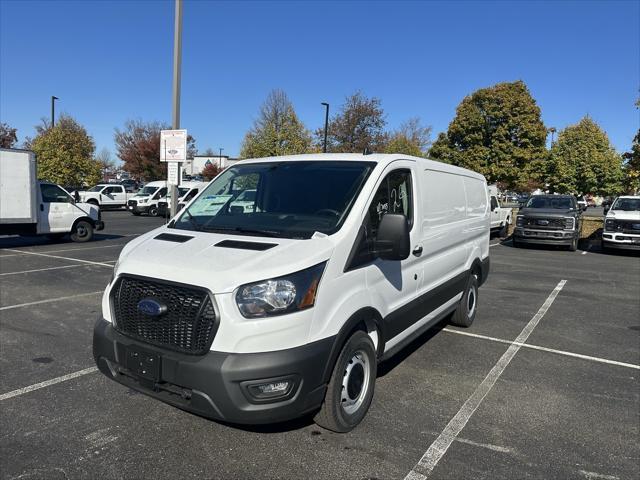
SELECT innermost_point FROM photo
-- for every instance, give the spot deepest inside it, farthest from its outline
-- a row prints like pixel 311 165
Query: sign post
pixel 173 150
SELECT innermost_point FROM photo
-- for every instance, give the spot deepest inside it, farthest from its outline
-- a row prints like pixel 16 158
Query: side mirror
pixel 606 208
pixel 392 240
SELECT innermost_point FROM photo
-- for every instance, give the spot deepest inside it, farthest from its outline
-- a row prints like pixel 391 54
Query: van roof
pixel 380 158
pixel 156 183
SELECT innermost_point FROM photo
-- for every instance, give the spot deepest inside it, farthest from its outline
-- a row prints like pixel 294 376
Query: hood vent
pixel 171 237
pixel 246 245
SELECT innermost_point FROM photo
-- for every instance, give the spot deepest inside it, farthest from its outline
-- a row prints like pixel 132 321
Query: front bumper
pixel 215 385
pixel 545 237
pixel 621 241
pixel 135 208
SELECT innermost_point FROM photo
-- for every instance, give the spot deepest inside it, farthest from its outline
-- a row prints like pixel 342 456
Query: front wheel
pixel 350 389
pixel 465 314
pixel 82 232
pixel 574 245
pixel 153 211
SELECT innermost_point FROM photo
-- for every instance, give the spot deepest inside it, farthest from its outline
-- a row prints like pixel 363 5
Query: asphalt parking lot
pixel 545 384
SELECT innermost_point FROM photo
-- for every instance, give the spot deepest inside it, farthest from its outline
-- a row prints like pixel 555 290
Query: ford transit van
pixel 265 312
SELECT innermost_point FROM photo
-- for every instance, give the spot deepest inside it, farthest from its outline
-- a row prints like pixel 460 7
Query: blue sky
pixel 110 61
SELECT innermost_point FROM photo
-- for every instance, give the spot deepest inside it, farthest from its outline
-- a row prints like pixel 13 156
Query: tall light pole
pixel 220 157
pixel 326 126
pixel 552 131
pixel 177 63
pixel 53 109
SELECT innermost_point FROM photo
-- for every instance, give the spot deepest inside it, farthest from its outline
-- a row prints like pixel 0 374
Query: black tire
pixel 153 211
pixel 515 243
pixel 137 214
pixel 574 245
pixel 465 314
pixel 503 230
pixel 351 387
pixel 82 232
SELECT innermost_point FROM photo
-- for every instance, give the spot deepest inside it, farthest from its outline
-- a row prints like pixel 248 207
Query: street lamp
pixel 552 131
pixel 53 109
pixel 326 124
pixel 220 158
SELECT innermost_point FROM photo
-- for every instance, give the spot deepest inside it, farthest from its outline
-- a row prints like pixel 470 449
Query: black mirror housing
pixel 392 239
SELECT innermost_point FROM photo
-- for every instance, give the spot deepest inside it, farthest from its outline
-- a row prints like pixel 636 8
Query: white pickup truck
pixel 622 224
pixel 500 216
pixel 30 207
pixel 106 195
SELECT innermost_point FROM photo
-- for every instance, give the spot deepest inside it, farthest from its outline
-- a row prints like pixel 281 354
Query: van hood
pixel 201 261
pixel 624 214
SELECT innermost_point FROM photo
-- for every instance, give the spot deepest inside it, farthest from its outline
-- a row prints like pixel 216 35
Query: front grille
pixel 545 223
pixel 188 325
pixel 625 226
pixel 132 203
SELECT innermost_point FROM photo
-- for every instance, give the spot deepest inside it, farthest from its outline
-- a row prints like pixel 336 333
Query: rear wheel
pixel 350 389
pixel 82 232
pixel 465 314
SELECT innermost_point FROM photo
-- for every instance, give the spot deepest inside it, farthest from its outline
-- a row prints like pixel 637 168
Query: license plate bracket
pixel 144 363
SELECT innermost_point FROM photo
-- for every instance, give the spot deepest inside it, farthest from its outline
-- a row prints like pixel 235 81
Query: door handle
pixel 41 207
pixel 417 251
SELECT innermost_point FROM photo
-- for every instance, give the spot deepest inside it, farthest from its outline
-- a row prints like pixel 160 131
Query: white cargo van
pixel 186 192
pixel 29 207
pixel 147 198
pixel 262 314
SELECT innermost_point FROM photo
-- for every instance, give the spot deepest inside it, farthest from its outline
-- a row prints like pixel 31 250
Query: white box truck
pixel 31 207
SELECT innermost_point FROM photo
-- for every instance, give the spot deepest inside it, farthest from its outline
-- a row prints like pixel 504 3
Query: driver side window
pixel 54 194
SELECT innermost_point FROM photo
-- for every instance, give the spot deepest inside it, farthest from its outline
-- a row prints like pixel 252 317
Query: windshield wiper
pixel 194 223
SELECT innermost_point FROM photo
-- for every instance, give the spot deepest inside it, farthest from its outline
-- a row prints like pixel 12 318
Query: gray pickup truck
pixel 549 220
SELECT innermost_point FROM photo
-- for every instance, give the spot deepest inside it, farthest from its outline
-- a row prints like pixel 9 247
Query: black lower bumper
pixel 98 225
pixel 621 245
pixel 545 238
pixel 137 208
pixel 216 385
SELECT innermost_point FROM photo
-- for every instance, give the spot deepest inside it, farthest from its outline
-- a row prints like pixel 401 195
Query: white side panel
pixel 17 184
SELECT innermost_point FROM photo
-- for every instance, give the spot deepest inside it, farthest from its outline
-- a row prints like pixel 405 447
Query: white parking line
pixel 41 270
pixel 64 258
pixel 53 381
pixel 439 447
pixel 48 300
pixel 25 252
pixel 545 349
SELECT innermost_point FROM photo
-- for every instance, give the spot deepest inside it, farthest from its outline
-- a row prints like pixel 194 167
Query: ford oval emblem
pixel 152 307
pixel 543 222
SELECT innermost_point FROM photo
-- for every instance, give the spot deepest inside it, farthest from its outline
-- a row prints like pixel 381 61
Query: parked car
pixel 523 199
pixel 549 220
pixel 129 184
pixel 186 192
pixel 147 198
pixel 30 207
pixel 266 314
pixel 105 195
pixel 622 224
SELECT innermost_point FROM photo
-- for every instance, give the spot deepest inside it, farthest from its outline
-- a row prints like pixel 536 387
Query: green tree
pixel 138 146
pixel 411 138
pixel 498 132
pixel 276 131
pixel 359 125
pixel 632 163
pixel 65 154
pixel 584 161
pixel 8 137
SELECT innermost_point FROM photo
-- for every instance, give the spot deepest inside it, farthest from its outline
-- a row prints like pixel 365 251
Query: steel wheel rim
pixel 355 382
pixel 471 302
pixel 82 231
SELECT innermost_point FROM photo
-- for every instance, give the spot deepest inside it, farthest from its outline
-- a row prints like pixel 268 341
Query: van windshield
pixel 278 199
pixel 146 191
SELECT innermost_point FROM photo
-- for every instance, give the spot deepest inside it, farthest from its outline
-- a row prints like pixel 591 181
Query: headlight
pixel 142 200
pixel 277 296
pixel 569 223
pixel 610 224
pixel 520 221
